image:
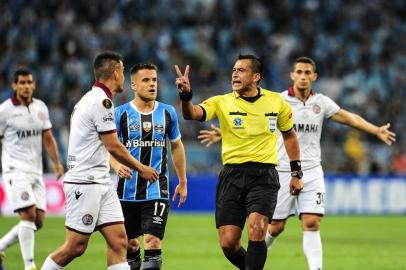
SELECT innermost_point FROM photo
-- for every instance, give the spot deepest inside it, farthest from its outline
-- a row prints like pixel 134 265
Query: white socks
pixel 49 264
pixel 10 238
pixel 269 240
pixel 26 231
pixel 119 266
pixel 313 250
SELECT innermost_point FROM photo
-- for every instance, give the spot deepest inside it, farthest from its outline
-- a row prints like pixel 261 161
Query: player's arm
pixel 120 153
pixel 354 120
pixel 189 111
pixel 179 160
pixel 52 150
pixel 121 170
pixel 292 149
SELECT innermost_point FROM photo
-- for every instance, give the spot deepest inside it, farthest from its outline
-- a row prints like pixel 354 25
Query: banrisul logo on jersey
pixel 139 143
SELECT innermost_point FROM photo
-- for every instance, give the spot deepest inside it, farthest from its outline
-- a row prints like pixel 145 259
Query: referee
pixel 248 183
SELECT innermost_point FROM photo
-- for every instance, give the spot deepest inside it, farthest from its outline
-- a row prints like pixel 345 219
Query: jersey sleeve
pixel 47 121
pixel 3 122
pixel 210 106
pixel 330 107
pixel 285 120
pixel 103 116
pixel 173 132
pixel 117 116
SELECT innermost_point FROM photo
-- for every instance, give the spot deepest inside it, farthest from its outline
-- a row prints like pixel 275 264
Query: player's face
pixel 120 77
pixel 145 84
pixel 242 77
pixel 303 76
pixel 24 87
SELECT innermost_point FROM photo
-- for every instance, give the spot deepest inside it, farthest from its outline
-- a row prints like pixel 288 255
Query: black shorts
pixel 243 189
pixel 147 217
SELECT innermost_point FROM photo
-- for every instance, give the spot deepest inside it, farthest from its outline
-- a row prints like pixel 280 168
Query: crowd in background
pixel 359 48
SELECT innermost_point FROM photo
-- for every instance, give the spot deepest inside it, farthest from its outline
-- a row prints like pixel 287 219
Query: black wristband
pixel 186 96
pixel 295 165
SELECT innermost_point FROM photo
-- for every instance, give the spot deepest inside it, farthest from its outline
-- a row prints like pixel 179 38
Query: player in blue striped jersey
pixel 146 127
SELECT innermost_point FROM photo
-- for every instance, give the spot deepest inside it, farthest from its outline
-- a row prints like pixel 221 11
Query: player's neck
pixel 144 106
pixel 302 93
pixel 248 92
pixel 24 101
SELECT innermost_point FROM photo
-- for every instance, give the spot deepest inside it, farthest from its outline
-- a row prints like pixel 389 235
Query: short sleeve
pixel 103 116
pixel 46 120
pixel 210 106
pixel 173 132
pixel 3 122
pixel 285 120
pixel 330 108
pixel 117 117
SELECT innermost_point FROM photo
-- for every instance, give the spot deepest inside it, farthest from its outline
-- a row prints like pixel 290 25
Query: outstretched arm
pixel 189 111
pixel 354 120
pixel 52 150
pixel 179 160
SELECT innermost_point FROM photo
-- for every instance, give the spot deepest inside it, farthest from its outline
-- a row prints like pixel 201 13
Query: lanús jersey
pixel 92 116
pixel 249 129
pixel 146 137
pixel 308 120
pixel 22 127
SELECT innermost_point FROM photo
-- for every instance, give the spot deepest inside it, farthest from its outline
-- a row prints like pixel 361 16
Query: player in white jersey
pixel 91 201
pixel 309 111
pixel 24 128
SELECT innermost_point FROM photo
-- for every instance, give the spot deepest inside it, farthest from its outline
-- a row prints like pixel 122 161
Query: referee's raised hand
pixel 182 81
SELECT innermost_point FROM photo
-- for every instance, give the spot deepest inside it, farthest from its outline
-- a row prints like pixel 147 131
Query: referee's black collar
pixel 254 98
pixel 104 88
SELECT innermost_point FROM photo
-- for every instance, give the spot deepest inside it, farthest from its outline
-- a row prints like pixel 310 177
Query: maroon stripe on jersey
pixel 76 231
pixel 108 224
pixel 108 132
pixel 104 88
pixel 45 130
pixel 23 208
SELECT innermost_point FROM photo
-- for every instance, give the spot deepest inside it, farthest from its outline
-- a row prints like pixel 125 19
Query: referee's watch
pixel 298 174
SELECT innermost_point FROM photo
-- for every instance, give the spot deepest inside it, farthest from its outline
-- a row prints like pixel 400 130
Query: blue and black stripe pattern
pixel 146 136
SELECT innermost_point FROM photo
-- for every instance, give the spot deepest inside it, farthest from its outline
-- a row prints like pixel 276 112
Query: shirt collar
pixel 15 100
pixel 104 88
pixel 291 92
pixel 236 95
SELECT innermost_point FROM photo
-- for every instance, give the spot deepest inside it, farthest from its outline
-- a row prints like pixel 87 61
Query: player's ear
pixel 314 76
pixel 292 76
pixel 14 86
pixel 133 85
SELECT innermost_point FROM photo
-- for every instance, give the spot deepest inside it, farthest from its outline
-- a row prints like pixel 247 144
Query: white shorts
pixel 24 190
pixel 90 207
pixel 309 201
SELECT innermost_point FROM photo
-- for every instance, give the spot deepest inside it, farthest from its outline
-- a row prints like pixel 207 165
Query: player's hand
pixel 295 186
pixel 385 135
pixel 182 81
pixel 59 170
pixel 181 192
pixel 123 171
pixel 148 173
pixel 209 137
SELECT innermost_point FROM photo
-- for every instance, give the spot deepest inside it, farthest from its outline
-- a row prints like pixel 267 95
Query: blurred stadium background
pixel 359 47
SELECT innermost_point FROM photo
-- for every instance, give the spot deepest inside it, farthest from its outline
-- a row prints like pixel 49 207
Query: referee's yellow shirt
pixel 248 129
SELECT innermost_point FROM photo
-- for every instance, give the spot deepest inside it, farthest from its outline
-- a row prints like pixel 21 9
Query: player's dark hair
pixel 105 63
pixel 137 67
pixel 306 60
pixel 21 72
pixel 256 64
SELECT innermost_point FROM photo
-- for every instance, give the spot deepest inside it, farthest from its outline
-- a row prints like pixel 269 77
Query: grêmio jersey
pixel 146 136
pixel 21 128
pixel 88 158
pixel 308 120
pixel 249 129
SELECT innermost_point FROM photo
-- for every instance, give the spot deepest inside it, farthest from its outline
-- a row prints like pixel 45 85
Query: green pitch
pixel 349 242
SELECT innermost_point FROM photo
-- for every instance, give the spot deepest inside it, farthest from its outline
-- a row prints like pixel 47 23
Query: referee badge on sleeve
pixel 272 123
pixel 107 103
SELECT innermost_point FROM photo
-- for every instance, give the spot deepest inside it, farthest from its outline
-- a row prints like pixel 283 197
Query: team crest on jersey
pixel 272 123
pixel 107 103
pixel 316 109
pixel 25 196
pixel 87 219
pixel 158 128
pixel 147 126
